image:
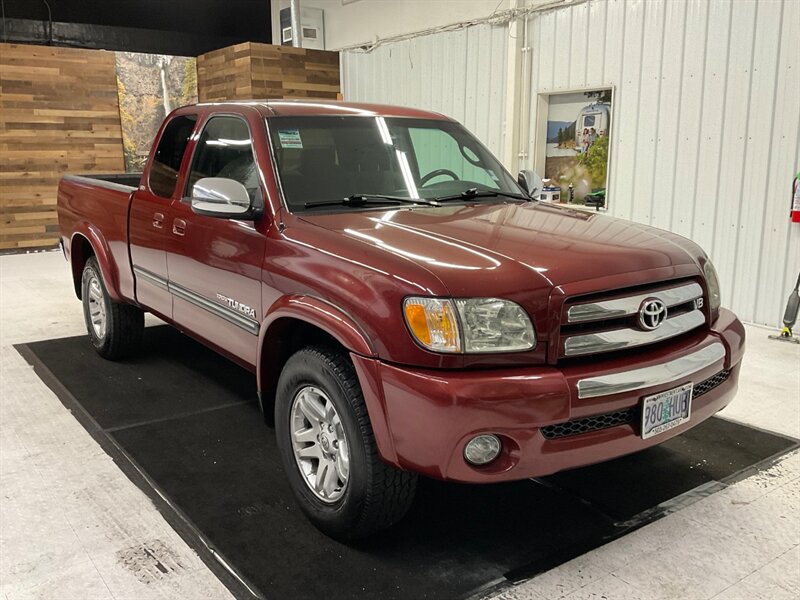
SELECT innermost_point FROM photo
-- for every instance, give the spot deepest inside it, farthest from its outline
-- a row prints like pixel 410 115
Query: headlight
pixel 712 281
pixel 493 325
pixel 483 325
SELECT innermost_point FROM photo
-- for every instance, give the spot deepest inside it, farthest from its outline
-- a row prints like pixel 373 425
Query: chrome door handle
pixel 179 227
pixel 158 220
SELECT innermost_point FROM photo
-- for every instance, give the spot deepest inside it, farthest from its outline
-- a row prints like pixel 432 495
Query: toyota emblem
pixel 652 314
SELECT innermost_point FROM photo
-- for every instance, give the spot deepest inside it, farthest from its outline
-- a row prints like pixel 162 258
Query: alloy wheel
pixel 319 444
pixel 97 308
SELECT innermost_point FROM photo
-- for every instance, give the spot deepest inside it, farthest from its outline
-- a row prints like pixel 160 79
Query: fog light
pixel 482 449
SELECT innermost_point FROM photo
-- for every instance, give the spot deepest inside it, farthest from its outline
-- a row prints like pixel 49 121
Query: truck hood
pixel 498 249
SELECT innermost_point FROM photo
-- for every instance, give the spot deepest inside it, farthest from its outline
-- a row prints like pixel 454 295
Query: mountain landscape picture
pixel 150 86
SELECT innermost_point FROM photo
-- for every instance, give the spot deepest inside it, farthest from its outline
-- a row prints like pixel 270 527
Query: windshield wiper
pixel 476 193
pixel 364 199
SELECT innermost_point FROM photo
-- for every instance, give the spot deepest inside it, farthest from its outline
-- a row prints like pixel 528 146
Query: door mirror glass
pixel 221 197
pixel 530 182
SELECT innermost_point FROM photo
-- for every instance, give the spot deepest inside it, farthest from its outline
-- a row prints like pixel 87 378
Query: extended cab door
pixel 150 215
pixel 215 264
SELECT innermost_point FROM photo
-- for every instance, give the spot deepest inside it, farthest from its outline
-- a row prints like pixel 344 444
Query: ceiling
pixel 215 21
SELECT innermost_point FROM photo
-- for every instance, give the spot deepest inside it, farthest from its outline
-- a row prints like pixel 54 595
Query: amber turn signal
pixel 433 323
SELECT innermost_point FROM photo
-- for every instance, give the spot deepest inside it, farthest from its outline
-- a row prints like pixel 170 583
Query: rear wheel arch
pixel 81 250
pixel 84 245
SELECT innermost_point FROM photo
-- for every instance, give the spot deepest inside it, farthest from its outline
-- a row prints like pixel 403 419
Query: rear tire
pixel 115 329
pixel 365 494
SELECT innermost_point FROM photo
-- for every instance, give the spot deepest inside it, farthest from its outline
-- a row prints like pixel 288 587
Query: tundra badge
pixel 237 306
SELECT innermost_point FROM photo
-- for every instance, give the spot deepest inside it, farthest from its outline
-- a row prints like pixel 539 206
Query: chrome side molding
pixel 629 305
pixel 619 339
pixel 636 379
pixel 233 316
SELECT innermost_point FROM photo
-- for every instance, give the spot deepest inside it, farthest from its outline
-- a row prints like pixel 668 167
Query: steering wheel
pixel 436 173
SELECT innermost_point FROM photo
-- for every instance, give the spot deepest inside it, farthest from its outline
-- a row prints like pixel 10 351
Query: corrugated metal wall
pixel 706 131
pixel 461 74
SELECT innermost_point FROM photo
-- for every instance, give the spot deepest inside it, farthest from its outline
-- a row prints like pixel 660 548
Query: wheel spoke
pixel 327 479
pixel 312 451
pixel 330 412
pixel 320 477
pixel 343 463
pixel 306 435
pixel 311 408
pixel 331 481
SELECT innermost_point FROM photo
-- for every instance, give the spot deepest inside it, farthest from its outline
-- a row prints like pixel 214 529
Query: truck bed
pixel 129 181
pixel 88 205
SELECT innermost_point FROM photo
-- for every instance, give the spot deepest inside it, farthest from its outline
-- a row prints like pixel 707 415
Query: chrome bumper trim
pixel 672 371
pixel 619 339
pixel 622 307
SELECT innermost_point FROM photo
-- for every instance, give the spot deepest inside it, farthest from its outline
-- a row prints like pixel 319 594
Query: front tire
pixel 115 329
pixel 329 451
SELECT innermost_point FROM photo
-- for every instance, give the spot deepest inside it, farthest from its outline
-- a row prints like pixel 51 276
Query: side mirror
pixel 221 197
pixel 530 182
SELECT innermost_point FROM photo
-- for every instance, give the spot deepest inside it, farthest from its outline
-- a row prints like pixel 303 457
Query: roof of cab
pixel 315 108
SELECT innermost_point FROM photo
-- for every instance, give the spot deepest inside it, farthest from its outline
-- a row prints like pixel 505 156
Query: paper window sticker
pixel 290 138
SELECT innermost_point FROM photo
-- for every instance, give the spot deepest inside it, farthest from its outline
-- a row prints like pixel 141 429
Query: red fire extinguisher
pixel 796 199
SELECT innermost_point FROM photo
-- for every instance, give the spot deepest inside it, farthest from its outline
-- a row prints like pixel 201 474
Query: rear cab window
pixel 163 176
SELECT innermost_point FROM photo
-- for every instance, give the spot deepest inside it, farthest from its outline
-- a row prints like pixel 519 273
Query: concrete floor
pixel 72 526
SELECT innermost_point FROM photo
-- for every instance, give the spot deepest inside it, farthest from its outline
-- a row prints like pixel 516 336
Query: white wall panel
pixel 461 74
pixel 706 125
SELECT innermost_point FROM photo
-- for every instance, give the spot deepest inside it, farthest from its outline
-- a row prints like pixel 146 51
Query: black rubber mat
pixel 186 421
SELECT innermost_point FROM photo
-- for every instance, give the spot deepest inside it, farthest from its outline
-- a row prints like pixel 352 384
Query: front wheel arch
pixel 281 339
pixel 294 322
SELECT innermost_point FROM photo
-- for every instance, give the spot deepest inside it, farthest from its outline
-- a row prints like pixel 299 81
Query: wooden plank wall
pixel 251 70
pixel 59 114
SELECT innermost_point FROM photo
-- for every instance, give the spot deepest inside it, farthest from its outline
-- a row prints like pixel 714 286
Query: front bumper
pixel 423 418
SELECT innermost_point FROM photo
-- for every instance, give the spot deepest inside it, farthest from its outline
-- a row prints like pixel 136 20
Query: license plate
pixel 661 412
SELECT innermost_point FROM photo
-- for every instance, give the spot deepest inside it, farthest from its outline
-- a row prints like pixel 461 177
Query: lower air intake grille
pixel 709 384
pixel 621 417
pixel 588 424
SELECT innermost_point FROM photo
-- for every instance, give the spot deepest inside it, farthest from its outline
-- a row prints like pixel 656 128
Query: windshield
pixel 322 159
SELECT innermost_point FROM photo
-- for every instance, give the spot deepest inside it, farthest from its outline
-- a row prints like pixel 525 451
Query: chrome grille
pixel 622 417
pixel 612 324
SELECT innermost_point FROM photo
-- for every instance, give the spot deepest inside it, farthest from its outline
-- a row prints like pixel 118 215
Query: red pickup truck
pixel 407 306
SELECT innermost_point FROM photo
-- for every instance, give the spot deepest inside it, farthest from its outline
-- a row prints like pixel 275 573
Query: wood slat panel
pixel 253 71
pixel 58 113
